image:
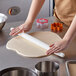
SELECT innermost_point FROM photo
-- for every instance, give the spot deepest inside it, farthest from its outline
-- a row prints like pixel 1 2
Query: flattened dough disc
pixel 29 49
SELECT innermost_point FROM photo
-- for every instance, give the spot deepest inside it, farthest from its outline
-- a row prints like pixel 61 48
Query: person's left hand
pixel 57 47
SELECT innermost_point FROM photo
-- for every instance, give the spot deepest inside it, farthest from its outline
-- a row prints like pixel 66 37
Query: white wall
pixel 24 6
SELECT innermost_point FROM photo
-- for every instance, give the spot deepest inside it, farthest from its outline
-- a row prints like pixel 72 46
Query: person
pixel 64 10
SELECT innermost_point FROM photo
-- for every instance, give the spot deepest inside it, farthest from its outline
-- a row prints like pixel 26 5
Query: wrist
pixel 66 39
pixel 29 20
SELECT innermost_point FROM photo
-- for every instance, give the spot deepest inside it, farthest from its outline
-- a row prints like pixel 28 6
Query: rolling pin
pixel 38 42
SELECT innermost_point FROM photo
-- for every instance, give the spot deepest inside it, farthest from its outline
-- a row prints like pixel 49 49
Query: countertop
pixel 10 58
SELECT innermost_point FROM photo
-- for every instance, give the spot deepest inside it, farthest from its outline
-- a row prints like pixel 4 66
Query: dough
pixel 29 49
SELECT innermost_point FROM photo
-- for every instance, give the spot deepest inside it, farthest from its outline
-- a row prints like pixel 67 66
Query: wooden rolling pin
pixel 38 42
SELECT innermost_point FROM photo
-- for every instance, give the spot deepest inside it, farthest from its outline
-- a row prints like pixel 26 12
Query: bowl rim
pixel 4 16
pixel 55 62
pixel 16 68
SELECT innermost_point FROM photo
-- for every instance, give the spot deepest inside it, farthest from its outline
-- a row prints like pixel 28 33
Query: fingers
pixel 52 46
pixel 58 50
pixel 53 49
pixel 15 31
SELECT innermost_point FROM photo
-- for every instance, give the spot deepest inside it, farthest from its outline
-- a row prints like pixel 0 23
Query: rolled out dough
pixel 29 49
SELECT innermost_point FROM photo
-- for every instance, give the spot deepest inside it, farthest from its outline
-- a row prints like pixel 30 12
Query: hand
pixel 58 46
pixel 22 28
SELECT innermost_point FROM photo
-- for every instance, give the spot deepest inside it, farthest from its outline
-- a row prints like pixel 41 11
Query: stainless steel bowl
pixel 3 19
pixel 47 68
pixel 17 71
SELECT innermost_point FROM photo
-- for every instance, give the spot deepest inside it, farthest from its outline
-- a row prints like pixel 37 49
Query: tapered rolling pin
pixel 38 42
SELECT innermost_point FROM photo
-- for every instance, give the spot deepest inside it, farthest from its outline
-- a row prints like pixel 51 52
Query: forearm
pixel 71 31
pixel 34 9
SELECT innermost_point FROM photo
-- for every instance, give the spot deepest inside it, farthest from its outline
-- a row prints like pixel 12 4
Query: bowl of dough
pixel 3 19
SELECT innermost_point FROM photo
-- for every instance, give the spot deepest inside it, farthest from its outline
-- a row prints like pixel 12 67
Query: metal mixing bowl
pixel 17 71
pixel 47 68
pixel 3 19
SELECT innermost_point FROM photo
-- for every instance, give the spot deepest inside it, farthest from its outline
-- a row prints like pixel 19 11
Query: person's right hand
pixel 58 46
pixel 22 28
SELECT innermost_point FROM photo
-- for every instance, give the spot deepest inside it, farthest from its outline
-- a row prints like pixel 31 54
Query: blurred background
pixel 17 10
